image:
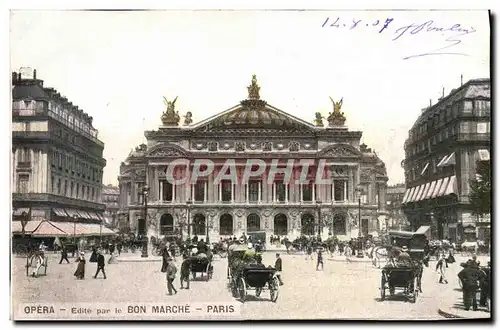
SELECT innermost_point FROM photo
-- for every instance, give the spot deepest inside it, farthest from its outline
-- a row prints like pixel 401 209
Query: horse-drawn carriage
pixel 406 277
pixel 202 263
pixel 35 262
pixel 245 275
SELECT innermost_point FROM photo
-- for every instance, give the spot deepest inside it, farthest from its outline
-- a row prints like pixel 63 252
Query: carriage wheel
pixel 45 264
pixel 274 289
pixel 234 288
pixel 415 290
pixel 208 272
pixel 382 288
pixel 243 290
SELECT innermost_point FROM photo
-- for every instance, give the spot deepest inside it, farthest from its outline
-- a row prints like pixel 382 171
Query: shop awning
pixel 443 186
pixel 17 227
pixel 442 161
pixel 450 160
pixel 72 213
pixel 21 210
pixel 452 186
pixel 436 189
pixel 407 194
pixel 60 212
pixel 47 229
pixel 415 193
pixel 430 191
pixel 94 229
pixel 101 218
pixel 425 169
pixel 420 192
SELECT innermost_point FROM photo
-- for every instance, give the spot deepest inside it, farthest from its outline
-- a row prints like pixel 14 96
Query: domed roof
pixel 250 117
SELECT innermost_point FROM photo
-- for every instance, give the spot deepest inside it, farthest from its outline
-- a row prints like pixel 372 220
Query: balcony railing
pixel 31 135
pixel 472 137
pixel 28 112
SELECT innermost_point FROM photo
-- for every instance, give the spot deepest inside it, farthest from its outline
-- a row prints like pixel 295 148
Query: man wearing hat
pixel 278 265
pixel 100 264
pixel 404 258
pixel 320 258
pixel 171 271
pixel 470 276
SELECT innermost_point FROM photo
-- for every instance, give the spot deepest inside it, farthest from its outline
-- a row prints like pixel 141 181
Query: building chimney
pixel 14 78
pixel 34 74
pixel 461 79
pixel 443 93
pixel 430 103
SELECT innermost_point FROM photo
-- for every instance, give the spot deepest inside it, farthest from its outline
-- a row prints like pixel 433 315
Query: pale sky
pixel 117 66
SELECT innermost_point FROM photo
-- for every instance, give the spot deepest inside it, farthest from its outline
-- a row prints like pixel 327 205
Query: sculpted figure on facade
pixel 336 118
pixel 170 117
pixel 188 118
pixel 318 120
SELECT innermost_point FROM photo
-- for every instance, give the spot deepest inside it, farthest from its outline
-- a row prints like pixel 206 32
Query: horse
pixel 376 253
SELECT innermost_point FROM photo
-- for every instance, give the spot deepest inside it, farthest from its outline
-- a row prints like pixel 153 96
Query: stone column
pixel 260 192
pixel 345 190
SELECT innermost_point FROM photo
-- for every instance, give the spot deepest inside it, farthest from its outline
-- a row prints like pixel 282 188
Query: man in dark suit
pixel 278 265
pixel 64 255
pixel 100 264
pixel 470 276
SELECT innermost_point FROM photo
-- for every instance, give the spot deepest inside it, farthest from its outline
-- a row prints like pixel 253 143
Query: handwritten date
pixel 452 34
pixel 355 23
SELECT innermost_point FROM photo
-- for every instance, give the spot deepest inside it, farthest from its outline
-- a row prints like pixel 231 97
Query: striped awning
pixel 17 227
pixel 405 197
pixel 60 212
pixel 72 213
pixel 436 189
pixel 443 187
pixel 429 192
pixel 47 229
pixel 425 168
pixel 452 186
pixel 21 210
pixel 450 160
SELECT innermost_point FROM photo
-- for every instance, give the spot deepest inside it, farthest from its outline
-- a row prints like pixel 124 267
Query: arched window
pixel 199 224
pixel 253 222
pixel 226 224
pixel 280 224
pixel 339 224
pixel 166 224
pixel 307 224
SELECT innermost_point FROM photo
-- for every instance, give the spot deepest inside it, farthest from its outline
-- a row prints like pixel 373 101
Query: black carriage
pixel 203 265
pixel 258 279
pixel 404 279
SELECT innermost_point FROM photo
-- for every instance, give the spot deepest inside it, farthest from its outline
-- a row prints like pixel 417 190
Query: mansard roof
pixel 253 115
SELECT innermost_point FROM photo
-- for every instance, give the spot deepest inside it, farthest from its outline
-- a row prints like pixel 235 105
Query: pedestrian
pixel 64 255
pixel 348 253
pixel 93 256
pixel 164 260
pixel 278 265
pixel 320 258
pixel 309 251
pixel 485 286
pixel 470 277
pixel 100 264
pixel 185 272
pixel 119 247
pixel 440 268
pixel 171 271
pixel 80 269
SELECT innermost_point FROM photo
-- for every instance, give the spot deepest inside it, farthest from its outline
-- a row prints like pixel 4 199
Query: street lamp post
pixel 359 190
pixel 318 202
pixel 24 222
pixel 188 204
pixel 74 230
pixel 145 193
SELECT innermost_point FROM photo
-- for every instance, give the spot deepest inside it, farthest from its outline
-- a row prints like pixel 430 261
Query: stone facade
pixel 441 153
pixel 254 129
pixel 111 198
pixel 57 162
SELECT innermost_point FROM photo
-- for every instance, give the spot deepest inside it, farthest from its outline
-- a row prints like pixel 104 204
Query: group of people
pixel 96 257
pixel 473 279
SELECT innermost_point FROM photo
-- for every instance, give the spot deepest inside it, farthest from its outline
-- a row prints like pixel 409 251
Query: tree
pixel 480 189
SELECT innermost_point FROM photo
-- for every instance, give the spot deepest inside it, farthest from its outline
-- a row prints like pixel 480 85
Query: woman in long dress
pixel 80 269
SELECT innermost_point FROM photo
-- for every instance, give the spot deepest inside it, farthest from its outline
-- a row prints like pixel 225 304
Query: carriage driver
pixel 404 258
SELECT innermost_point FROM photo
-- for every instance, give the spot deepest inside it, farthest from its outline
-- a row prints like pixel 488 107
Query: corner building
pixel 57 162
pixel 254 129
pixel 441 151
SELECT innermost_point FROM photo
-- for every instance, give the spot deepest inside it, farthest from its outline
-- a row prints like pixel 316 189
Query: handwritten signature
pixel 429 26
